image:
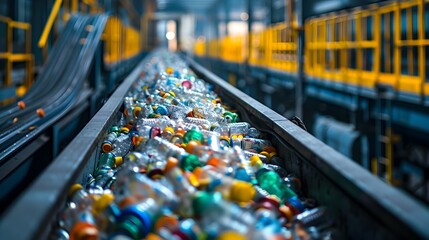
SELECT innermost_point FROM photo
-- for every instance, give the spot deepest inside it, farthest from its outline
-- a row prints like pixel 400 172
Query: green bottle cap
pixel 114 129
pixel 189 162
pixel 271 182
pixel 131 227
pixel 204 201
pixel 230 117
pixel 193 134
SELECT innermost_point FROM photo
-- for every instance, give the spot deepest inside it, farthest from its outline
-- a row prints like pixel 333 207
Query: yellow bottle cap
pixel 136 111
pixel 74 188
pixel 118 161
pixel 255 160
pixel 102 202
pixel 242 192
pixel 172 93
pixel 124 130
pixel 169 129
pixel 266 154
pixel 231 235
pixel 225 138
pixel 193 180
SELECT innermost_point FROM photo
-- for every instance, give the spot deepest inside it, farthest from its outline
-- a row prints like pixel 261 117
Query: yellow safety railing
pixel 232 48
pixel 282 47
pixel 121 42
pixel 384 44
pixel 214 48
pixel 12 57
pixel 341 47
pixel 47 29
pixel 69 7
pixel 200 47
pixel 257 54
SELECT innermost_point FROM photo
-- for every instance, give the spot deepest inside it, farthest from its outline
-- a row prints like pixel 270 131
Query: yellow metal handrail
pixel 51 19
pixel 11 57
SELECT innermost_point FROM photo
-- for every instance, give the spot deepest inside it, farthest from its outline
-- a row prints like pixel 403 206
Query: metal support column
pixel 299 88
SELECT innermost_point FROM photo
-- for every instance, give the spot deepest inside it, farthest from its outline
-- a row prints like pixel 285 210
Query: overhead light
pixel 244 16
pixel 170 35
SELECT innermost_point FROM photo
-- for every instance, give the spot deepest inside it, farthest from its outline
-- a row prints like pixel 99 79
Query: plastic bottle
pixel 273 184
pixel 231 189
pixel 139 186
pixel 181 185
pixel 135 221
pixel 314 224
pixel 77 218
pixel 217 216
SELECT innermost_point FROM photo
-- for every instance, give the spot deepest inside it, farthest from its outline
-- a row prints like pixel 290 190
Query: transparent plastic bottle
pixel 217 215
pixel 77 218
pixel 181 185
pixel 314 224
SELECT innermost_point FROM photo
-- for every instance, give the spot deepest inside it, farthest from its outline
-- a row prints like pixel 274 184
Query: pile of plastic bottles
pixel 180 165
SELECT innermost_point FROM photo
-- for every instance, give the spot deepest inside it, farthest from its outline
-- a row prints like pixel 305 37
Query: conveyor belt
pixel 58 86
pixel 363 206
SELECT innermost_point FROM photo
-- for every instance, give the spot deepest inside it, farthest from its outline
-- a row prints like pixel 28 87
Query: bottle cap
pixel 242 192
pixel 102 202
pixel 129 228
pixel 136 140
pixel 168 129
pixel 266 154
pixel 40 112
pixel 191 145
pixel 153 236
pixel 286 212
pixel 230 235
pixel 189 162
pixel 255 160
pixel 166 221
pixel 118 161
pixel 84 231
pixel 114 129
pixel 225 138
pixel 137 111
pixel 106 147
pixel 172 93
pixel 215 162
pixel 124 130
pixel 193 134
pixel 154 132
pixel 193 180
pixel 21 104
pixel 127 201
pixel 135 215
pixel 74 188
pixel 230 117
pixel 155 173
pixel 187 84
pixel 171 163
pixel 204 201
pixel 162 110
pixel 202 176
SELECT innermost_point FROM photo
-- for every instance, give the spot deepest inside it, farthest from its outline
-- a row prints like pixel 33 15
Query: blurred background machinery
pixel 354 71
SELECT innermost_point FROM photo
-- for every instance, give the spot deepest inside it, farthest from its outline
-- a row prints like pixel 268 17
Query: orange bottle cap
pixel 83 231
